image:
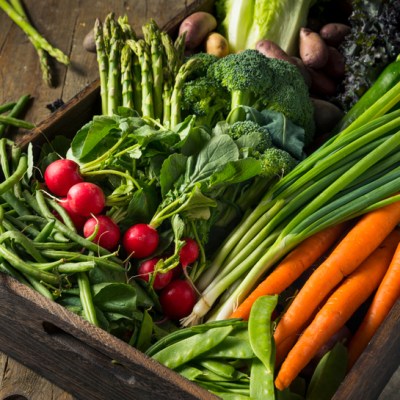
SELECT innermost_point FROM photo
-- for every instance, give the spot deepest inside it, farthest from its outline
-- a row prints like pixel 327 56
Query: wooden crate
pixel 90 364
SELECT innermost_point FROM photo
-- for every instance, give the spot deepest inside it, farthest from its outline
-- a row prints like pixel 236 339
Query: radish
pixel 61 175
pixel 108 233
pixel 140 240
pixel 78 220
pixel 86 198
pixel 177 299
pixel 189 252
pixel 160 280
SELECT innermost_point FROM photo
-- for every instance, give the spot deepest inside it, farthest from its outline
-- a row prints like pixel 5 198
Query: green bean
pixel 187 349
pixel 69 255
pixel 60 237
pixel 6 107
pixel 7 269
pixel 85 294
pixel 45 232
pixel 40 288
pixel 13 224
pixel 72 268
pixel 261 340
pixel 16 110
pixel 56 246
pixel 36 219
pixel 16 176
pixel 26 268
pixel 47 266
pixel 62 213
pixel 184 333
pixel 15 156
pixel 26 243
pixel 4 158
pixel 15 203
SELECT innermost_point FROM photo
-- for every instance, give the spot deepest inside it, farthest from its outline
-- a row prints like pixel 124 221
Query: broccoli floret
pixel 209 106
pixel 276 163
pixel 251 138
pixel 206 60
pixel 266 83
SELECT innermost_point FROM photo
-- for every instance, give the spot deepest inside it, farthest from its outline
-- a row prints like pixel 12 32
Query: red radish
pixel 108 234
pixel 61 175
pixel 160 280
pixel 77 219
pixel 86 198
pixel 177 299
pixel 189 252
pixel 140 241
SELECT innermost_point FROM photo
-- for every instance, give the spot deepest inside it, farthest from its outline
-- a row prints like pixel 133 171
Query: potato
pixel 89 43
pixel 334 33
pixel 335 67
pixel 216 44
pixel 197 26
pixel 272 50
pixel 312 48
pixel 321 84
pixel 326 115
pixel 303 69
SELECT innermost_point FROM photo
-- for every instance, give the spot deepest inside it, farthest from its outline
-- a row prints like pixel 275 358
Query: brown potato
pixel 335 67
pixel 326 115
pixel 303 69
pixel 334 33
pixel 272 50
pixel 321 84
pixel 312 48
pixel 216 44
pixel 197 26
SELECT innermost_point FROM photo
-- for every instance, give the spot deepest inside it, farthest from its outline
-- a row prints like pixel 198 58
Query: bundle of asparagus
pixel 143 72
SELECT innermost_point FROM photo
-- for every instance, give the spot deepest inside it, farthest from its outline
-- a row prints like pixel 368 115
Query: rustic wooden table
pixel 65 23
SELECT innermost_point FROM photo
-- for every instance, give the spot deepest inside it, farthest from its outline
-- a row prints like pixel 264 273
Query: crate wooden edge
pixel 79 357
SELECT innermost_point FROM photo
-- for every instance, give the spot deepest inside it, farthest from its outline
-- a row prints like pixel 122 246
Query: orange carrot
pixel 337 310
pixel 384 299
pixel 292 266
pixel 365 236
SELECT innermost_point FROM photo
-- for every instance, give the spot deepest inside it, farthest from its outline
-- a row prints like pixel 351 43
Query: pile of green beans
pixel 39 245
pixel 230 358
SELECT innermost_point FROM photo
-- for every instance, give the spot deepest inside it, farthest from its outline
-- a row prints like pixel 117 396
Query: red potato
pixel 334 33
pixel 312 48
pixel 335 67
pixel 272 50
pixel 197 26
pixel 216 44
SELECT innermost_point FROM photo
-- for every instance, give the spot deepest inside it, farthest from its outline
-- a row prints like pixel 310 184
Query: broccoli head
pixel 251 138
pixel 276 162
pixel 209 106
pixel 255 80
pixel 201 68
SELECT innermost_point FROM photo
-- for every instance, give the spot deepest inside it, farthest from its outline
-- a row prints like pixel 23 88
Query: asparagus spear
pixel 43 56
pixel 126 77
pixel 32 33
pixel 102 61
pixel 152 36
pixel 141 49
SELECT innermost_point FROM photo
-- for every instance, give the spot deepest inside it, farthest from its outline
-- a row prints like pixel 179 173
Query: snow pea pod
pixel 187 349
pixel 232 348
pixel 261 340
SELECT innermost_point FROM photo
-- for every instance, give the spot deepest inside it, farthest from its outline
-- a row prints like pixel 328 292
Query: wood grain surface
pixel 65 23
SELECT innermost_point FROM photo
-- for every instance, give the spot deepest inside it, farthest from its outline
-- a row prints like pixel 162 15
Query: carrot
pixel 291 267
pixel 364 237
pixel 384 299
pixel 338 309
